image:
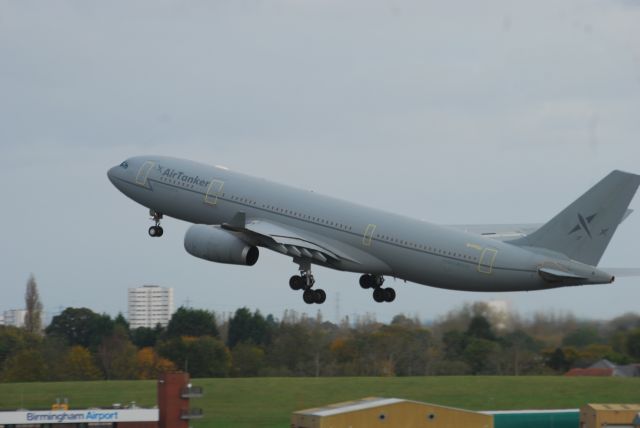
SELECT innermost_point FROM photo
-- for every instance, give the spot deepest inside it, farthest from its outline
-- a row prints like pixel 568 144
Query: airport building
pixel 172 411
pixel 610 415
pixel 149 306
pixel 395 412
pixel 389 412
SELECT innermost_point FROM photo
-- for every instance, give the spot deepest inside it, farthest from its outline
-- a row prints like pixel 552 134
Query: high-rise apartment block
pixel 149 306
pixel 14 317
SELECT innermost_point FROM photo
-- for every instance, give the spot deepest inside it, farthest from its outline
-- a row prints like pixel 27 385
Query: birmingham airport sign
pixel 79 416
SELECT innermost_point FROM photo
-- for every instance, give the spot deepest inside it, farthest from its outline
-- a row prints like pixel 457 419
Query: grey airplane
pixel 235 214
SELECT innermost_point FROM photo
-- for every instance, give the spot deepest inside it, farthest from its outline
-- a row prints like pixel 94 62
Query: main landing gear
pixel 155 231
pixel 379 294
pixel 305 282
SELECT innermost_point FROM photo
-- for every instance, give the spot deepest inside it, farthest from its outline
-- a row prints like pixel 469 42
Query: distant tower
pixel 149 305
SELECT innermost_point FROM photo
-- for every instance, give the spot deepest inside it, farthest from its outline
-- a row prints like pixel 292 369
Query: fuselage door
pixel 213 192
pixel 143 172
pixel 368 235
pixel 487 258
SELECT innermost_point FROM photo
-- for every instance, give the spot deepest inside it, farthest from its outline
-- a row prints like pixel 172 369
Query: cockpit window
pixel 124 165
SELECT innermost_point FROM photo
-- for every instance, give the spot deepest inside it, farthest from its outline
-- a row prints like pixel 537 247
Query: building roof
pixel 364 404
pixel 528 412
pixel 350 406
pixel 589 372
pixel 616 407
pixel 630 370
pixel 603 364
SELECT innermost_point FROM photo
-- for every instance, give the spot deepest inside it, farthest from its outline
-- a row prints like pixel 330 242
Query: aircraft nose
pixel 112 173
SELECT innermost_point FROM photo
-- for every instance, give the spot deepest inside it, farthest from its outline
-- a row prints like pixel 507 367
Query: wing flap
pixel 297 244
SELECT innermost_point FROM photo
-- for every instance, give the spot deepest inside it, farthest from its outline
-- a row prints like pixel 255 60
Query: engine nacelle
pixel 219 245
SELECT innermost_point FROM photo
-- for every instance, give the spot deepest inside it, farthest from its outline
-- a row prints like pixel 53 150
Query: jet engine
pixel 219 245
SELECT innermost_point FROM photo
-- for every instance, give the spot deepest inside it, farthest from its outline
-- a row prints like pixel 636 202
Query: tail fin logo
pixel 583 223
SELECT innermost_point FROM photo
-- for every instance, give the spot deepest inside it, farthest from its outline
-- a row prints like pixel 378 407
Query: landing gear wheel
pixel 153 231
pixel 160 231
pixel 366 281
pixel 389 294
pixel 379 295
pixel 296 282
pixel 309 296
pixel 319 296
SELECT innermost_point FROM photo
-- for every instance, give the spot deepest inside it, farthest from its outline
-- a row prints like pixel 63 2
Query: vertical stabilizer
pixel 583 230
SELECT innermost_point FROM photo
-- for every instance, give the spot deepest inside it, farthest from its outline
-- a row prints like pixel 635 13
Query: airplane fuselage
pixel 373 241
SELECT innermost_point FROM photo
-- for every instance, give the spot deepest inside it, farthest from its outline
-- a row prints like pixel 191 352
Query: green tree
pixel 248 328
pixel 520 352
pixel 117 355
pixel 26 365
pixel 397 349
pixel 144 337
pixel 248 360
pixel 121 321
pixel 582 336
pixel 203 356
pixel 291 351
pixel 455 343
pixel 13 339
pixel 633 344
pixel 79 365
pixel 33 318
pixel 192 322
pixel 480 328
pixel 480 355
pixel 208 357
pixel 56 350
pixel 80 326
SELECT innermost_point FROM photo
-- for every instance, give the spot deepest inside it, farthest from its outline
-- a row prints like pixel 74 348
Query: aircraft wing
pixel 288 241
pixel 505 232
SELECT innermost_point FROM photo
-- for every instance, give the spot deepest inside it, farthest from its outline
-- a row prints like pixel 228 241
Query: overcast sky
pixel 454 112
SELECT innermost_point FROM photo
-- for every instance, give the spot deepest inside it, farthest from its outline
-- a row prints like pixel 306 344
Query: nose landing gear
pixel 380 294
pixel 156 231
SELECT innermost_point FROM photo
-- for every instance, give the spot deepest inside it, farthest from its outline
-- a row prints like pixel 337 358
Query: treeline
pixel 80 344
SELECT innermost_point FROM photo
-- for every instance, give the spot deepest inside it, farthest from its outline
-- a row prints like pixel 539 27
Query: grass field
pixel 268 402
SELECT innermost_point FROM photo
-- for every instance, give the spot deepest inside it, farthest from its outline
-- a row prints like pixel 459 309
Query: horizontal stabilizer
pixel 555 275
pixel 506 232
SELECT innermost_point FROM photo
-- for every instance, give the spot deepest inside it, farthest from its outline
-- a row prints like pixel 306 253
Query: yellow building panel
pixel 386 413
pixel 602 415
